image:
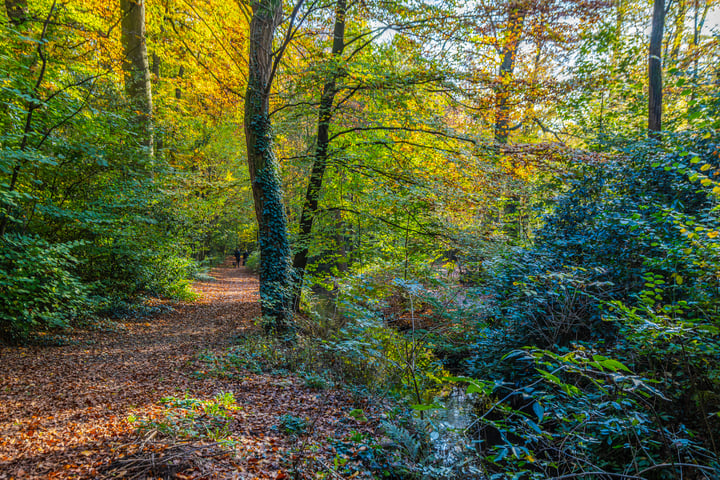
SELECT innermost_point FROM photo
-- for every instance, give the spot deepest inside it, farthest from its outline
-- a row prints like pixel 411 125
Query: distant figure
pixel 245 256
pixel 237 257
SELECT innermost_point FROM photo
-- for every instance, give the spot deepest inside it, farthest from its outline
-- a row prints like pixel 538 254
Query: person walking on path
pixel 237 257
pixel 245 256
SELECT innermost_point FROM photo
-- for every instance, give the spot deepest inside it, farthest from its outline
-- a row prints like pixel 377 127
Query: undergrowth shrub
pixel 39 287
pixel 253 262
pixel 382 358
pixel 624 268
pixel 123 270
pixel 582 412
pixel 190 418
pixel 376 359
pixel 352 347
pixel 684 353
pixel 47 285
pixel 617 221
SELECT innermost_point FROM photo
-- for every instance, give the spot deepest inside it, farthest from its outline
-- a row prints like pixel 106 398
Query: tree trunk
pixel 312 195
pixel 513 34
pixel 180 75
pixel 275 267
pixel 156 66
pixel 655 70
pixel 135 67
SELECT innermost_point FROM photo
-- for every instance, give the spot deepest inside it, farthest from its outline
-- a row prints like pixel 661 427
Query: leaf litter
pixel 97 406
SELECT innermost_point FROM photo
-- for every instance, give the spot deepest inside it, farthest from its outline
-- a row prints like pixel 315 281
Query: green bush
pixel 47 285
pixel 662 344
pixel 292 425
pixel 123 269
pixel 39 288
pixel 192 419
pixel 253 262
pixel 643 211
pixel 625 267
pixel 583 411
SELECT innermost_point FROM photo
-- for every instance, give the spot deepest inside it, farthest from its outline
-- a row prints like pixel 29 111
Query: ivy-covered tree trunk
pixel 276 277
pixel 516 19
pixel 135 67
pixel 312 195
pixel 655 69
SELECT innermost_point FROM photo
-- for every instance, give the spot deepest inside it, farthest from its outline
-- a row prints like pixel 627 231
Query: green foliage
pixel 356 349
pixel 72 177
pixel 382 358
pixel 582 410
pixel 192 418
pixel 617 221
pixel 124 270
pixel 622 277
pixel 292 425
pixel 253 262
pixel 276 274
pixel 411 443
pixel 39 287
pixel 684 352
pixel 317 381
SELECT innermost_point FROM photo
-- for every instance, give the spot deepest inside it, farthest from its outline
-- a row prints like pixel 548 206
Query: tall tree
pixel 135 67
pixel 510 55
pixel 655 69
pixel 276 268
pixel 517 10
pixel 312 195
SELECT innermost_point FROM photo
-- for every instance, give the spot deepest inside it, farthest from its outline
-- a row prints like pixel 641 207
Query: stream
pixel 451 445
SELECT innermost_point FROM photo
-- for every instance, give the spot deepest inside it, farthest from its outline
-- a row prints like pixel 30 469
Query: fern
pixel 405 440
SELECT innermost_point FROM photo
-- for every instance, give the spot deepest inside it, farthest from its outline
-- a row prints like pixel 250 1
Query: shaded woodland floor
pixel 65 411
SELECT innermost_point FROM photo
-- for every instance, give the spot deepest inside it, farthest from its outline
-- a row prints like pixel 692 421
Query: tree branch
pixel 289 35
pixel 202 64
pixel 405 129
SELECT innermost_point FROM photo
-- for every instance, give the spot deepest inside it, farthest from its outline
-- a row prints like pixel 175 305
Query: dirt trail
pixel 64 410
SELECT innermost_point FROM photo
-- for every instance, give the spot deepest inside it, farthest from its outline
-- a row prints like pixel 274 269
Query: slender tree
pixel 312 195
pixel 655 69
pixel 276 267
pixel 135 66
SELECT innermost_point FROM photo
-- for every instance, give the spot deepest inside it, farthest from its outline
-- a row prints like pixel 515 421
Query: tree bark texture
pixel 655 69
pixel 517 12
pixel 135 67
pixel 312 196
pixel 276 278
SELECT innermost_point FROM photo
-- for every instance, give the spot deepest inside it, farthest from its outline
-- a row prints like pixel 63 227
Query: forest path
pixel 65 410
